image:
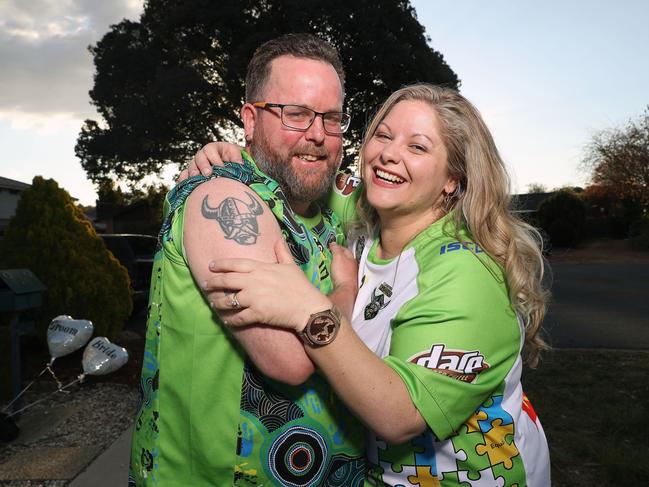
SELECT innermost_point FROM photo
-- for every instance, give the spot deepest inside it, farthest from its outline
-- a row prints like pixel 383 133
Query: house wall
pixel 8 202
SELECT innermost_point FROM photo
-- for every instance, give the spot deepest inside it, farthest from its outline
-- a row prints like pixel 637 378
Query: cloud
pixel 46 67
pixel 49 124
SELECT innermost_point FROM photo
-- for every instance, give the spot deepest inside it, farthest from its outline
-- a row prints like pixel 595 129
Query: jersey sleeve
pixel 343 197
pixel 456 341
pixel 171 237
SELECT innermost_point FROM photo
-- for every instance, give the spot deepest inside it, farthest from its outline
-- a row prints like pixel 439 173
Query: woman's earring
pixel 449 198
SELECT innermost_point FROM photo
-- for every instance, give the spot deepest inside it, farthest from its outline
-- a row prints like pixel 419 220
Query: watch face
pixel 322 328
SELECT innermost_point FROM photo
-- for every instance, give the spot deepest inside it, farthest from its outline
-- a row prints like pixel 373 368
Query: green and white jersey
pixel 441 317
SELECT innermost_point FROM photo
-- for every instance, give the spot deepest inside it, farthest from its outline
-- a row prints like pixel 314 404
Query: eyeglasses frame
pixel 266 105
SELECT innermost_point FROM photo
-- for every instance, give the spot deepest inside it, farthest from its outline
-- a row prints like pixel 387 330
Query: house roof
pixel 6 183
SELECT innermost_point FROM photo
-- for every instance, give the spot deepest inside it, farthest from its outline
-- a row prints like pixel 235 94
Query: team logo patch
pixel 345 183
pixel 459 364
pixel 378 301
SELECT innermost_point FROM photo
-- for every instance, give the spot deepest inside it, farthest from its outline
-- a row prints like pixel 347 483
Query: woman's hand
pixel 212 154
pixel 278 295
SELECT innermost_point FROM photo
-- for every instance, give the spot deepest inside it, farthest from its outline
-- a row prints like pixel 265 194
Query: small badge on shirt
pixel 378 301
pixel 345 183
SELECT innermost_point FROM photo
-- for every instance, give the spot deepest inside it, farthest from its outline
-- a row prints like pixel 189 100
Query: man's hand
pixel 213 154
pixel 344 273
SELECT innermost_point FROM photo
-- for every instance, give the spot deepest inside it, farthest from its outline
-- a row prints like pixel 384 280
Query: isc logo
pixel 473 247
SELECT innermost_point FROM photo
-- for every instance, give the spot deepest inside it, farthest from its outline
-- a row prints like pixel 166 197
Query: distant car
pixel 135 252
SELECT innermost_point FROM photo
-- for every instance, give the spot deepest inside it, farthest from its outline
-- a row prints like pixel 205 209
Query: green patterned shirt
pixel 206 415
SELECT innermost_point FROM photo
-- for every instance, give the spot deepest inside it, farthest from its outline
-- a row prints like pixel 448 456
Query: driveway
pixel 600 300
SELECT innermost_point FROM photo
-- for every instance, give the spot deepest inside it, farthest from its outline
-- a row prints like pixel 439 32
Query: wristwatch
pixel 322 328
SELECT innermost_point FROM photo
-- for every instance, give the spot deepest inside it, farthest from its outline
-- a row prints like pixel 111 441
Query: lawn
pixel 594 407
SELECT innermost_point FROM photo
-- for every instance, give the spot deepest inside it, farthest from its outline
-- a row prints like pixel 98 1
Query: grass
pixel 594 407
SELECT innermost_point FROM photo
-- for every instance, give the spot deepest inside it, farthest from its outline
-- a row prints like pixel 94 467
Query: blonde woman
pixel 449 301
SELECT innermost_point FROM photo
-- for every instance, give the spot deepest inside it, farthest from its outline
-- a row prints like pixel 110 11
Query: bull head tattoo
pixel 237 219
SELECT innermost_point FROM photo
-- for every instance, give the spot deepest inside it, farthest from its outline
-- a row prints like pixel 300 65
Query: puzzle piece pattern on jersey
pixel 499 444
pixel 486 479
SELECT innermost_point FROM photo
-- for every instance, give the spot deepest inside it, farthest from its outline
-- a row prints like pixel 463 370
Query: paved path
pixel 110 469
pixel 600 305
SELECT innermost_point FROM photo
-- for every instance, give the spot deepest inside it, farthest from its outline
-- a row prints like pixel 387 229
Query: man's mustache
pixel 310 149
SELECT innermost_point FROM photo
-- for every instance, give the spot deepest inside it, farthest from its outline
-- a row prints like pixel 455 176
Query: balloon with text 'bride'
pixel 65 335
pixel 102 357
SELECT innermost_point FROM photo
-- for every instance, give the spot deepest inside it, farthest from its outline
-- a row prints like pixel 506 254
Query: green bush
pixel 50 236
pixel 639 234
pixel 562 215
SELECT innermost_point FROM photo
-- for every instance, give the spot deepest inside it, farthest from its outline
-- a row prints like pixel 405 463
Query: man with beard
pixel 244 407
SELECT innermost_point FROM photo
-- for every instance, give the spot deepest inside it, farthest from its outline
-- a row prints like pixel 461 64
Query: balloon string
pixel 6 408
pixel 62 389
pixel 59 384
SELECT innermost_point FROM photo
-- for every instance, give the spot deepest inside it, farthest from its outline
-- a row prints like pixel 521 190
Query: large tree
pixel 619 161
pixel 166 85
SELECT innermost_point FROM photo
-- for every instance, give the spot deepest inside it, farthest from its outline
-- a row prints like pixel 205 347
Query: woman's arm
pixel 371 389
pixel 280 295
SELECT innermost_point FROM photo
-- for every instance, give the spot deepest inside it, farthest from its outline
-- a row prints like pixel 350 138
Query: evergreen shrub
pixel 562 215
pixel 51 236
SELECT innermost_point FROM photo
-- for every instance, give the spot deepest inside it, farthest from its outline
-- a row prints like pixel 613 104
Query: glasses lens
pixel 297 117
pixel 301 118
pixel 336 122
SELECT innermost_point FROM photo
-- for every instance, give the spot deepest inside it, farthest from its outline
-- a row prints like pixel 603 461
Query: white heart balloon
pixel 63 317
pixel 65 335
pixel 102 357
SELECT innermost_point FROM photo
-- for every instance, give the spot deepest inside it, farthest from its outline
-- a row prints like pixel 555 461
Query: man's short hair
pixel 306 46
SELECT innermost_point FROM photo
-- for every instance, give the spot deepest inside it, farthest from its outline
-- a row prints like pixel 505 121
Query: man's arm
pixel 225 218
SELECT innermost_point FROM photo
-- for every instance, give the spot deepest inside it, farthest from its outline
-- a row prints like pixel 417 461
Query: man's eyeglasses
pixel 301 118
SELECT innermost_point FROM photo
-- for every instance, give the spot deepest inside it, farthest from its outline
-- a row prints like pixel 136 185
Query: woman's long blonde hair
pixel 481 202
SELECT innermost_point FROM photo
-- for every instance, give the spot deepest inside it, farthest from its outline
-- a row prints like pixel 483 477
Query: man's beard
pixel 294 185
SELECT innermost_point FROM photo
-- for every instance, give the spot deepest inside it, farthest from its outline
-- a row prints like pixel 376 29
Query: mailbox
pixel 20 290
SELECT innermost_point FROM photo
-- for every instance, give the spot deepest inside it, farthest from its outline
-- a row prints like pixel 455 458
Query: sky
pixel 546 76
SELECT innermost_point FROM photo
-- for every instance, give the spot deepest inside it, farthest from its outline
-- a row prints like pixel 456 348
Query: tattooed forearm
pixel 237 219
